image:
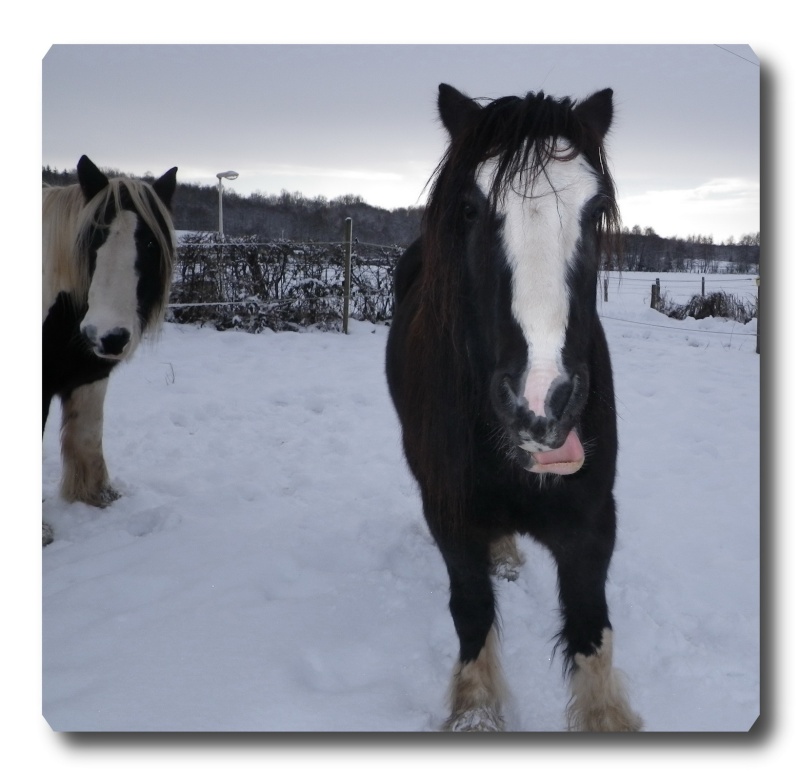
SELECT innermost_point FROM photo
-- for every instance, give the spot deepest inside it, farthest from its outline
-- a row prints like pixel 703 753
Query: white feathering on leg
pixel 599 700
pixel 477 692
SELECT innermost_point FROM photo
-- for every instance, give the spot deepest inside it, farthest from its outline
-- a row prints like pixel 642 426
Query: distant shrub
pixel 713 305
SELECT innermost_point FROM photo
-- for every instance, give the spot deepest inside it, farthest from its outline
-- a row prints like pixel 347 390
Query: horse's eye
pixel 469 212
pixel 597 213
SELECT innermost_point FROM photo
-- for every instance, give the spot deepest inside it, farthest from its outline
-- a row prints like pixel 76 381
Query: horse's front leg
pixel 85 476
pixel 477 688
pixel 599 701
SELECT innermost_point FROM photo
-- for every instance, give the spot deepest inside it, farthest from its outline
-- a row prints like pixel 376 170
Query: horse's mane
pixel 523 135
pixel 68 226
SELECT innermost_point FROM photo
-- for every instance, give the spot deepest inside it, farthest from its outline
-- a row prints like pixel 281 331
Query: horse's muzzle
pixel 542 422
pixel 112 344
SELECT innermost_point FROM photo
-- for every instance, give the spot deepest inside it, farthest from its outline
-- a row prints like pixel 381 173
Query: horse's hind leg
pixel 85 476
pixel 506 558
pixel 599 701
pixel 477 688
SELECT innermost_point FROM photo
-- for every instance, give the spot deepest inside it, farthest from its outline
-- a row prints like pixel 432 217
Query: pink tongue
pixel 567 459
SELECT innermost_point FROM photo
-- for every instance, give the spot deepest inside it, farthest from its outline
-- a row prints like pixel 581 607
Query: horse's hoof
pixel 105 497
pixel 627 721
pixel 505 570
pixel 475 720
pixel 506 559
pixel 109 495
pixel 47 534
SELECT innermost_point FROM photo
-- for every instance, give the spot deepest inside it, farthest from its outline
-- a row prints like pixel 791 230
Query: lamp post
pixel 229 175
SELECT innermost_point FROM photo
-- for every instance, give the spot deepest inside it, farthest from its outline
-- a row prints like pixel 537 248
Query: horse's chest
pixel 67 361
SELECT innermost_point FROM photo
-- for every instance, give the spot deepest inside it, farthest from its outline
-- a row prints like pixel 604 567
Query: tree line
pixel 293 216
pixel 642 250
pixel 287 215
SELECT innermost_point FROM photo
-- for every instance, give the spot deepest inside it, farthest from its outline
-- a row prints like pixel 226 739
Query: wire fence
pixel 249 284
pixel 679 286
pixel 732 298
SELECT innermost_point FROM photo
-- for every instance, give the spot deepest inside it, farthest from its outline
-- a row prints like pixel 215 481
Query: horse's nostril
pixel 559 398
pixel 115 341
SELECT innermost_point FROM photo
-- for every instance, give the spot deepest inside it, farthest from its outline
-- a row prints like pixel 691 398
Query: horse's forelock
pixel 523 135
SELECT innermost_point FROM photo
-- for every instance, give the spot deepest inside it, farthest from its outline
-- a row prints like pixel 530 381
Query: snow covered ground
pixel 268 567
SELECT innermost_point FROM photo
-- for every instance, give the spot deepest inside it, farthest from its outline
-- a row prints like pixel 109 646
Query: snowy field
pixel 268 567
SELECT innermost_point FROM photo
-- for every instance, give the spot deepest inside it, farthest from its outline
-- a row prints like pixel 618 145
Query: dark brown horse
pixel 500 373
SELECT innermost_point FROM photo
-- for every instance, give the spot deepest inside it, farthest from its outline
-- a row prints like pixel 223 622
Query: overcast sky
pixel 361 119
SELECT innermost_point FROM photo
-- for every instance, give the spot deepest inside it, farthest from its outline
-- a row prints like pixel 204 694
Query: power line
pixel 756 64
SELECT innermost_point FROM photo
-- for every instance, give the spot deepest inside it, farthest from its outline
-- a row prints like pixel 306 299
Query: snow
pixel 268 567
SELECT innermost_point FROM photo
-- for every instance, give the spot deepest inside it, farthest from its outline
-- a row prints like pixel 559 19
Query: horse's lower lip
pixel 560 469
pixel 108 356
pixel 565 460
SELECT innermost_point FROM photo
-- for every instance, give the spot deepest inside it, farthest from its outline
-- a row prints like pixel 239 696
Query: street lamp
pixel 229 175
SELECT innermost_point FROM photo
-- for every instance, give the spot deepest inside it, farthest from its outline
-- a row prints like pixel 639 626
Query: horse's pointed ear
pixel 92 181
pixel 165 186
pixel 597 111
pixel 455 109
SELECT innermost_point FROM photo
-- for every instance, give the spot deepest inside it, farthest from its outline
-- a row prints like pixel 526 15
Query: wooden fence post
pixel 348 239
pixel 605 289
pixel 655 294
pixel 703 287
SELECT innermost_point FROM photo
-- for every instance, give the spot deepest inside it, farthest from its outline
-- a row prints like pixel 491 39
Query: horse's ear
pixel 165 186
pixel 455 109
pixel 597 111
pixel 92 181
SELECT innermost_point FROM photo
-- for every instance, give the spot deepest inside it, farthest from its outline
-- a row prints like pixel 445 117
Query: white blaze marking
pixel 540 232
pixel 112 295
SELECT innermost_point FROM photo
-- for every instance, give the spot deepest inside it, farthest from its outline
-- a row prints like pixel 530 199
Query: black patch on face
pixel 499 339
pixel 582 284
pixel 150 287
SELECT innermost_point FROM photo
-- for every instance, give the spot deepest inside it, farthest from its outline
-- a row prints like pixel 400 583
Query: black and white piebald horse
pixel 500 374
pixel 108 248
